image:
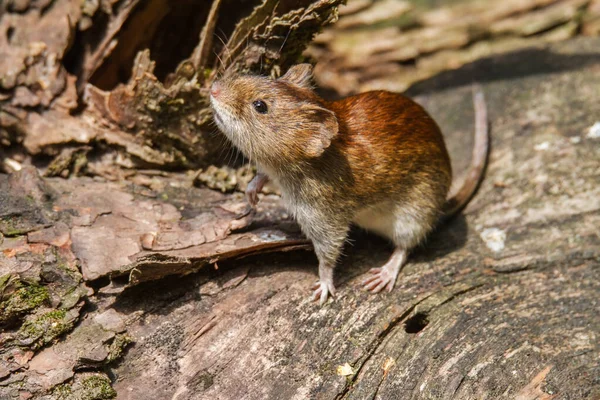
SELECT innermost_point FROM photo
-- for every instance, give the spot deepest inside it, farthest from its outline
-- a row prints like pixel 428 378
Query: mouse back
pixel 394 141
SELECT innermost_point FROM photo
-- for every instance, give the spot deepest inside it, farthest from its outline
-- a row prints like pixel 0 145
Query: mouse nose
pixel 215 89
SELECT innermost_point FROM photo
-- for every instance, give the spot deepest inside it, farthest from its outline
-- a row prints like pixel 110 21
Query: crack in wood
pixel 540 263
pixel 392 325
pixel 380 337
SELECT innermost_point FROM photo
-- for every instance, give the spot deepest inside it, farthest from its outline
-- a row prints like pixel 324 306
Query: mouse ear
pixel 299 75
pixel 323 127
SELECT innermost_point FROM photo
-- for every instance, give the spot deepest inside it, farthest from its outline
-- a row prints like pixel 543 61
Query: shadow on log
pixel 126 79
pixel 509 311
pixel 500 303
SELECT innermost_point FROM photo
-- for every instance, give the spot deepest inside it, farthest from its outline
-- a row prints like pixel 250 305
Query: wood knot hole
pixel 416 323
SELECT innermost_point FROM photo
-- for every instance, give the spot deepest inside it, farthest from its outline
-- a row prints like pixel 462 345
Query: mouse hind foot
pixel 324 286
pixel 405 225
pixel 385 276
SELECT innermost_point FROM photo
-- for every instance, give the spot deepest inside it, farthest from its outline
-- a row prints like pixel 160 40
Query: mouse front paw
pixel 252 196
pixel 254 187
pixel 321 291
pixel 380 278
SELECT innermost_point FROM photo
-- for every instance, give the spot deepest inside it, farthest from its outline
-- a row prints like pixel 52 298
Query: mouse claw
pixel 254 187
pixel 379 280
pixel 252 197
pixel 322 290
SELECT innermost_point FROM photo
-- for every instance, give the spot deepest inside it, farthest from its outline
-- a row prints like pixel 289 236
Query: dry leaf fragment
pixel 388 364
pixel 345 370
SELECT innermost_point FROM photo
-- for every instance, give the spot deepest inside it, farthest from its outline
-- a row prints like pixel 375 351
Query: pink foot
pixel 254 187
pixel 380 278
pixel 385 277
pixel 321 291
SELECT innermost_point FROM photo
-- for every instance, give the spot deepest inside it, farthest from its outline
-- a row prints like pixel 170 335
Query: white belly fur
pixel 404 225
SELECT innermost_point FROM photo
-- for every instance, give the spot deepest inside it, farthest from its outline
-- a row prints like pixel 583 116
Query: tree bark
pixel 133 282
pixel 500 303
pixel 74 74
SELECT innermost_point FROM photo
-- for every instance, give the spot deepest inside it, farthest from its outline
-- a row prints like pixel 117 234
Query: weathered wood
pixel 56 234
pixel 501 303
pixel 360 53
pixel 78 73
pixel 151 287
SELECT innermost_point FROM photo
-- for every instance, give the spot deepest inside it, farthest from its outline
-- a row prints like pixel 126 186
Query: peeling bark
pixel 394 44
pixel 81 73
pixel 118 236
pixel 133 282
pixel 473 315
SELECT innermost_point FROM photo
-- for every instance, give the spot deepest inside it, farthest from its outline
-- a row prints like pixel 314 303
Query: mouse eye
pixel 260 106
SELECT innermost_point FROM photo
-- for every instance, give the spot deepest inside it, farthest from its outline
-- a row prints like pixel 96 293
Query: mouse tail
pixel 479 159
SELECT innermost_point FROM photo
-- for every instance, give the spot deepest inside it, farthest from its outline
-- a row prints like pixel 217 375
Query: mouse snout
pixel 215 89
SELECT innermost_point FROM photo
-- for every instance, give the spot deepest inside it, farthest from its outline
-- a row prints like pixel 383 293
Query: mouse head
pixel 274 121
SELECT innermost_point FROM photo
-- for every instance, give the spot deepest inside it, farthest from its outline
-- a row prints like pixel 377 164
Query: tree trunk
pixel 501 303
pixel 128 280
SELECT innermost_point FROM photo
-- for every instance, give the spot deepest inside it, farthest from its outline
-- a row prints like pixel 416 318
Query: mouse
pixel 376 159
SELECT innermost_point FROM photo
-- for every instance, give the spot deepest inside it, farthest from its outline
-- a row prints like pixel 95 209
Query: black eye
pixel 260 106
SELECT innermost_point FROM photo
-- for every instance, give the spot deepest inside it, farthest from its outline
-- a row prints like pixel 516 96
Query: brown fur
pixel 333 160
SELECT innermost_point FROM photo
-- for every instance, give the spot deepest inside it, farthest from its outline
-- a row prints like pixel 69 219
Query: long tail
pixel 479 159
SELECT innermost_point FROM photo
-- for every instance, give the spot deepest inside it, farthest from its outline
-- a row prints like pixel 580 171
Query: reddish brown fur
pixel 376 159
pixel 392 145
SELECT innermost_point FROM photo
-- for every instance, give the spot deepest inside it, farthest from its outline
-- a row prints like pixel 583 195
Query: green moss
pixel 45 328
pixel 32 296
pixel 10 227
pixel 23 300
pixel 86 387
pixel 117 347
pixel 97 387
pixel 4 280
pixel 62 392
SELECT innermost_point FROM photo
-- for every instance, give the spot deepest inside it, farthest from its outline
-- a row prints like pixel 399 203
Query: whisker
pixel 225 44
pixel 223 148
pixel 224 48
pixel 230 155
pixel 285 40
pixel 219 58
pixel 237 154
